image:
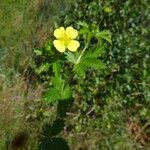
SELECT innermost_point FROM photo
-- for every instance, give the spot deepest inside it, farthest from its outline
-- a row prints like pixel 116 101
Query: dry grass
pixel 24 28
pixel 14 102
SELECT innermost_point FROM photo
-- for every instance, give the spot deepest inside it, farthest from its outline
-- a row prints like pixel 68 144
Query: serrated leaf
pixel 57 81
pixel 95 52
pixel 105 34
pixel 90 60
pixel 94 63
pixel 54 144
pixel 83 24
pixel 59 91
pixel 50 130
pixel 66 92
pixel 51 95
pixel 71 57
pixel 80 69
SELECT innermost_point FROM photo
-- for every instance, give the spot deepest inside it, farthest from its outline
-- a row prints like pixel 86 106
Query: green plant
pixel 129 31
pixel 60 90
pixel 86 57
pixel 106 99
pixel 127 61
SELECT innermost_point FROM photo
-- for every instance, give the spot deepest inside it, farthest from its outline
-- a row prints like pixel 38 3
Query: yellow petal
pixel 73 45
pixel 59 45
pixel 71 32
pixel 59 33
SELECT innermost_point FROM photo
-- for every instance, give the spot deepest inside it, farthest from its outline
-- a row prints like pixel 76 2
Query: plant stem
pixel 80 56
pixel 56 68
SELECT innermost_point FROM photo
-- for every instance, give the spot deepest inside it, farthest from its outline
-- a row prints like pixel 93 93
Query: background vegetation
pixel 111 108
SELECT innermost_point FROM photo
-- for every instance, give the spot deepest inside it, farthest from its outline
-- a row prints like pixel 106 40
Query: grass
pixel 21 29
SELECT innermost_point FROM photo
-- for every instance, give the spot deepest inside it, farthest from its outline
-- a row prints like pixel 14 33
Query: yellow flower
pixel 66 39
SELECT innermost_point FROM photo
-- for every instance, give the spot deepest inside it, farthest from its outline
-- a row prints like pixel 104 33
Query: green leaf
pixel 53 129
pixel 90 60
pixel 66 92
pixel 49 136
pixel 59 91
pixel 42 68
pixel 107 9
pixel 54 144
pixel 49 45
pixel 83 24
pixel 51 95
pixel 95 52
pixel 80 69
pixel 56 69
pixel 84 31
pixel 105 34
pixel 71 57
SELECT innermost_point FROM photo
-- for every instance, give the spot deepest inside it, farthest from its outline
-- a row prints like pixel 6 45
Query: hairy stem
pixel 56 68
pixel 80 56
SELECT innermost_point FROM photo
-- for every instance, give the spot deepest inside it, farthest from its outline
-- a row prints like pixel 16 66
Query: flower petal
pixel 59 33
pixel 71 32
pixel 59 45
pixel 73 45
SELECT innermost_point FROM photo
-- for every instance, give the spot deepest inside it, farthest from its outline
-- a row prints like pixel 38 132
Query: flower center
pixel 65 40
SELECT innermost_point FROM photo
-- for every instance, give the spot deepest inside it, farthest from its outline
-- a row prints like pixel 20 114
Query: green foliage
pixel 88 57
pixel 105 34
pixel 54 144
pixel 88 60
pixel 127 73
pixel 48 138
pixel 93 31
pixel 59 91
pixel 127 61
pixel 105 100
pixel 44 58
pixel 53 129
pixel 128 57
pixel 63 107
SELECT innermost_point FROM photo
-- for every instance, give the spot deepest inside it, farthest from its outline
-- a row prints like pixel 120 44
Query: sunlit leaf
pixel 59 91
